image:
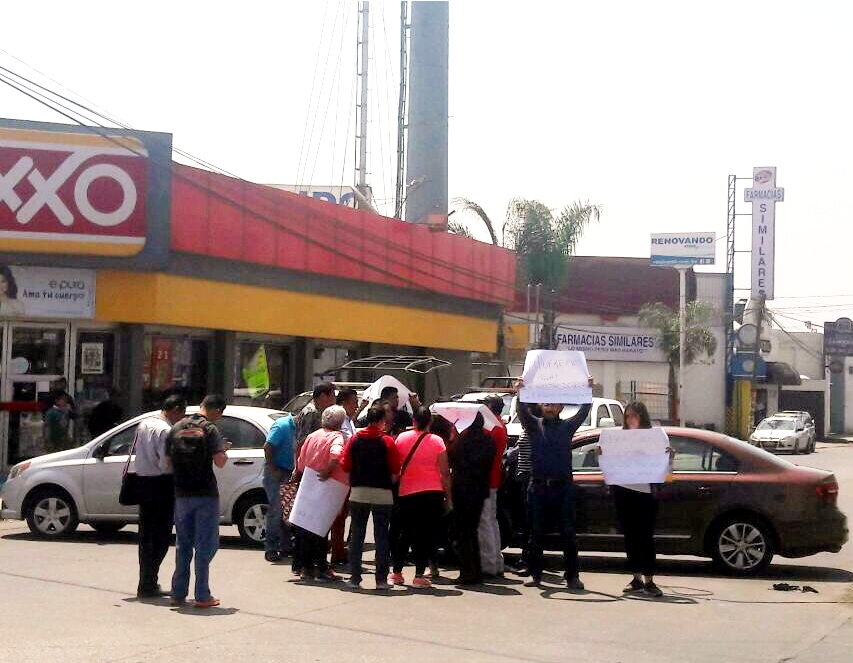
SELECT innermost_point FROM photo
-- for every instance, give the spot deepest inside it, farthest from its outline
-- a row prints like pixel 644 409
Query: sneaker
pixel 421 583
pixel 354 583
pixel 383 585
pixel 651 589
pixel 397 579
pixel 535 581
pixel 176 602
pixel 212 602
pixel 329 574
pixel 636 585
pixel 575 584
pixel 272 556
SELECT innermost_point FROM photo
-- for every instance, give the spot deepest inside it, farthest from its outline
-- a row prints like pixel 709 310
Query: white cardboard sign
pixel 636 456
pixel 555 376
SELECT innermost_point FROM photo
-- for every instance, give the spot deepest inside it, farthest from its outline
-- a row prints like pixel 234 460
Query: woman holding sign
pixel 637 509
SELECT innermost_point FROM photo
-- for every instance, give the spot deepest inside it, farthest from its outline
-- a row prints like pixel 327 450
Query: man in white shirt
pixel 156 493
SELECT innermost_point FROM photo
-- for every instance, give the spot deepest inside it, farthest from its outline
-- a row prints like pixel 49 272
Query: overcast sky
pixel 643 108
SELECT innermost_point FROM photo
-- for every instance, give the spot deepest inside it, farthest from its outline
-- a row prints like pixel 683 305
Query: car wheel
pixel 52 514
pixel 250 515
pixel 107 527
pixel 742 545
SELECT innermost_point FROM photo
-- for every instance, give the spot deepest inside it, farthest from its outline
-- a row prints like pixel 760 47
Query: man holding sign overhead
pixel 553 379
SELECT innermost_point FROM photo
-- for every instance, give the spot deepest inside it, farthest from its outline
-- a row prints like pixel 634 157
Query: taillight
pixel 827 489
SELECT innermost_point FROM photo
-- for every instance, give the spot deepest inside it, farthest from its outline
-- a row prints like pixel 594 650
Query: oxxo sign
pixel 72 193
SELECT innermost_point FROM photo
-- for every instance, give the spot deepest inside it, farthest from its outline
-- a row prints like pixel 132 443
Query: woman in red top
pixel 371 459
pixel 424 482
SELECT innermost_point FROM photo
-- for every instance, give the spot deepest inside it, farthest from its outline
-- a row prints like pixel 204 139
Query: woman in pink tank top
pixel 424 481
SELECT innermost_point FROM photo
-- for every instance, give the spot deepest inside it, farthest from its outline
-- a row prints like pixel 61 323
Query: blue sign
pixel 742 364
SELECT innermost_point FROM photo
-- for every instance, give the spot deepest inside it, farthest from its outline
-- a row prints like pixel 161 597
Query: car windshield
pixel 776 424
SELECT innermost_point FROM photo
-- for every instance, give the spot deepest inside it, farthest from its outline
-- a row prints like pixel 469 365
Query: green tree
pixel 699 339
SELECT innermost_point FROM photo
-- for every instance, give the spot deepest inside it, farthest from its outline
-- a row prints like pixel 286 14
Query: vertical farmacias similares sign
pixel 763 195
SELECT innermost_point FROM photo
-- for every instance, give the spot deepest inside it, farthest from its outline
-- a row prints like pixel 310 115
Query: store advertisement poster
pixel 46 292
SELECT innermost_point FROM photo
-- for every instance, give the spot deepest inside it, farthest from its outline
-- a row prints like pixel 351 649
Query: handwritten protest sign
pixel 552 376
pixel 634 456
pixel 317 503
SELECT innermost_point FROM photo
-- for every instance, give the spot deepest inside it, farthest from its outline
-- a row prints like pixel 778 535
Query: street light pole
pixel 682 335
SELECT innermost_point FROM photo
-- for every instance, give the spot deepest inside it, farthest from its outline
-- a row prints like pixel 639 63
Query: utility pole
pixel 756 353
pixel 399 191
pixel 361 155
pixel 682 338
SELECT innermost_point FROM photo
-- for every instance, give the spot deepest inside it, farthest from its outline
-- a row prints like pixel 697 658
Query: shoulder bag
pixel 129 493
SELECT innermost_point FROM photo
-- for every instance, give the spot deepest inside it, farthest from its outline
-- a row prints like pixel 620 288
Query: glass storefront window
pixel 173 365
pixel 261 374
pixel 37 351
pixel 94 377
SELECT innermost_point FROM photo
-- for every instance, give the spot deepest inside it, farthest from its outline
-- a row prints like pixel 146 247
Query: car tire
pixel 107 527
pixel 250 516
pixel 741 545
pixel 52 513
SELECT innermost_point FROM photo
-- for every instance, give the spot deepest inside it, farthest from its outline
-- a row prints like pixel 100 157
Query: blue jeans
pixel 196 530
pixel 359 511
pixel 272 485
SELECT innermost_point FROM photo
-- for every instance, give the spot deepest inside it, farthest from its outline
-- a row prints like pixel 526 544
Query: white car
pixel 781 433
pixel 605 413
pixel 55 492
pixel 807 422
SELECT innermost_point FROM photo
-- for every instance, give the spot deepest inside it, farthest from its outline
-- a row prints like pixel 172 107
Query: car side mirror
pixel 606 422
pixel 800 429
pixel 100 452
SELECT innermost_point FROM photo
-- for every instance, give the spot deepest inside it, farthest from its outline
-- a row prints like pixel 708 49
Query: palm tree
pixel 542 241
pixel 698 339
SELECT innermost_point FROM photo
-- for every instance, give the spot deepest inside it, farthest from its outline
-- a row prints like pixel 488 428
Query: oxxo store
pixel 125 270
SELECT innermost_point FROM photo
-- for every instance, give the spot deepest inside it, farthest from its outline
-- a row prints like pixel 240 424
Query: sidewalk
pixel 839 439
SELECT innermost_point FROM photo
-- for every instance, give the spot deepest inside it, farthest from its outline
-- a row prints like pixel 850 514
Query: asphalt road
pixel 74 600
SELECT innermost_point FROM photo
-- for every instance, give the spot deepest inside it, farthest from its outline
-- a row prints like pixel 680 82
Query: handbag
pixel 129 493
pixel 287 493
pixel 395 489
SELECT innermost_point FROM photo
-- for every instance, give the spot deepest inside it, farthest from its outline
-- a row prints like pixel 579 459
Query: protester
pixel 551 492
pixel 105 415
pixel 193 447
pixel 522 480
pixel 321 452
pixel 309 418
pixel 57 421
pixel 399 419
pixel 278 466
pixel 373 463
pixel 348 400
pixel 156 493
pixel 470 458
pixel 636 508
pixel 424 485
pixel 489 532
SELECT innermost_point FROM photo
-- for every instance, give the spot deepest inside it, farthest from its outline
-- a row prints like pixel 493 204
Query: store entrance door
pixel 34 360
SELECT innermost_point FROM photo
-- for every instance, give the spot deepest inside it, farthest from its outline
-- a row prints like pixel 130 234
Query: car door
pixel 245 464
pixel 102 475
pixel 596 515
pixel 701 478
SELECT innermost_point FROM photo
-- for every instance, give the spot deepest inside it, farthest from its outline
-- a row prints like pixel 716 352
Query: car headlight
pixel 18 469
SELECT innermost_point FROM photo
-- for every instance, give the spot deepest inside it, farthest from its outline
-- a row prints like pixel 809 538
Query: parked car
pixel 728 500
pixel 807 422
pixel 782 433
pixel 605 413
pixel 55 492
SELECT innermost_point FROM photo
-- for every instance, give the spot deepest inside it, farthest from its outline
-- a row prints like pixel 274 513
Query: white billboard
pixel 47 292
pixel 683 249
pixel 610 343
pixel 763 195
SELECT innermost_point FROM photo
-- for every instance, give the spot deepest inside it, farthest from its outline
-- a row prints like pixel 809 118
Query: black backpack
pixel 190 457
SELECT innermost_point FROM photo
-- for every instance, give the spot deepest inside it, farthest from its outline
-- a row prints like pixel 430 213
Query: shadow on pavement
pixel 583 595
pixel 701 568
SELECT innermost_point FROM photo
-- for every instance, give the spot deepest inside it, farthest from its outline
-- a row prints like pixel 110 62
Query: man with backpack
pixel 194 446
